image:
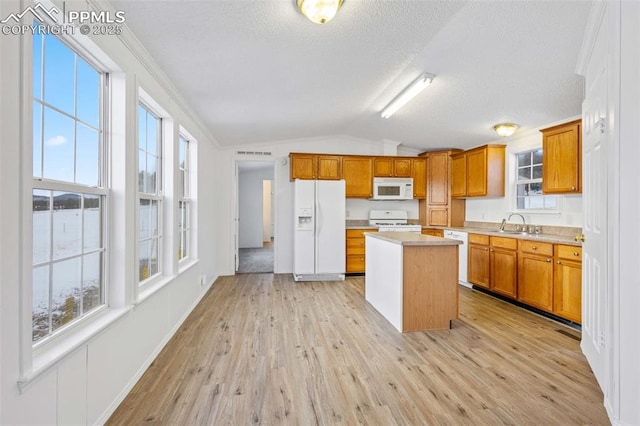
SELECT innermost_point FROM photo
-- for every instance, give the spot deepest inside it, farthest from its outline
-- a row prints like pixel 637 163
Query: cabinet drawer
pixel 535 247
pixel 479 239
pixel 358 233
pixel 433 232
pixel 355 263
pixel 506 243
pixel 355 246
pixel 569 252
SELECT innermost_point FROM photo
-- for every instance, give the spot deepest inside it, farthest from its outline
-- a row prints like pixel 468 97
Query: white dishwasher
pixel 462 256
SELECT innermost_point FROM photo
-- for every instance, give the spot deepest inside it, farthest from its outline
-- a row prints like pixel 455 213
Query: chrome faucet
pixel 524 222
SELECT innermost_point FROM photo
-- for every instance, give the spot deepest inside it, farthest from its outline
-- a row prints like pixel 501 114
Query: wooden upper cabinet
pixel 419 175
pixel 329 167
pixel 303 166
pixel 391 167
pixel 438 178
pixel 383 167
pixel 358 175
pixel 562 158
pixel 315 166
pixel 459 175
pixel 484 169
pixel 402 167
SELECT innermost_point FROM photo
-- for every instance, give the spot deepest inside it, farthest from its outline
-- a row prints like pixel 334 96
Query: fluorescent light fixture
pixel 407 94
pixel 319 11
pixel 505 129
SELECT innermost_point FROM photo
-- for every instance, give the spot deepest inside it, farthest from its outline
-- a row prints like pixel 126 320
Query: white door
pixel 236 221
pixel 595 291
pixel 330 227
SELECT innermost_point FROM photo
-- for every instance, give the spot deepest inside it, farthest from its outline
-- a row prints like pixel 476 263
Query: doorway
pixel 255 217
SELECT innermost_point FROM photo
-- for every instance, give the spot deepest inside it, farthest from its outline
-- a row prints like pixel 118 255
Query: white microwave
pixel 393 188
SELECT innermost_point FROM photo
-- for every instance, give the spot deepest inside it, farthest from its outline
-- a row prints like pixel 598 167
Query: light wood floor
pixel 262 349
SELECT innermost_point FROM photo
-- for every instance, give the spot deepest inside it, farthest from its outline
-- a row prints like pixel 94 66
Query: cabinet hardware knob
pixel 579 237
pixel 559 263
pixel 486 249
pixel 493 250
pixel 548 260
pixel 534 248
pixel 573 188
pixel 575 253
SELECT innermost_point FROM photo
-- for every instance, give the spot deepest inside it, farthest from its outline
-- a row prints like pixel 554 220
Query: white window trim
pixel 513 182
pixel 36 359
pixel 185 198
pixel 143 289
pixel 186 262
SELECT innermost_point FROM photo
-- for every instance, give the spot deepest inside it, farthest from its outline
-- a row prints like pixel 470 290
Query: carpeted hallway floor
pixel 256 260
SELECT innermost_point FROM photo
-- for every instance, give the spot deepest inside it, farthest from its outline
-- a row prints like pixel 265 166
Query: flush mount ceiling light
pixel 319 11
pixel 407 94
pixel 505 129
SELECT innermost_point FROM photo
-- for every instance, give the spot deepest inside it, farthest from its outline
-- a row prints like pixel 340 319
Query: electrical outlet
pixel 203 280
pixel 348 213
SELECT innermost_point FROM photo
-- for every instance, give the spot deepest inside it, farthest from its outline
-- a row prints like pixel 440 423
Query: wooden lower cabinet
pixel 538 274
pixel 433 232
pixel 355 249
pixel 535 274
pixel 493 263
pixel 479 268
pixel 504 271
pixel 567 283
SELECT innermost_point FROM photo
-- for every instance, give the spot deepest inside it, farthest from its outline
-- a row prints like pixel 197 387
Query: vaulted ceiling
pixel 258 71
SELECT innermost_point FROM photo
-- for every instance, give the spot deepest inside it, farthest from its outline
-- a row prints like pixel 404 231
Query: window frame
pixel 184 199
pixel 157 197
pixel 517 182
pixel 40 183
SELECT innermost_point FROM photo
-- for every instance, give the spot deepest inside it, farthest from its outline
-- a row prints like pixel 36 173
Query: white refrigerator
pixel 319 230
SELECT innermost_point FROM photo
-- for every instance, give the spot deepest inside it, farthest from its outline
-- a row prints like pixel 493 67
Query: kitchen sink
pixel 505 231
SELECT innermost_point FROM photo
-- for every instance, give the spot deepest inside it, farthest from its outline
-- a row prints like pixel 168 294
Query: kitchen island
pixel 412 279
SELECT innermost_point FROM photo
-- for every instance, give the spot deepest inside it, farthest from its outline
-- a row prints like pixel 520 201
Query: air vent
pixel 255 153
pixel 569 334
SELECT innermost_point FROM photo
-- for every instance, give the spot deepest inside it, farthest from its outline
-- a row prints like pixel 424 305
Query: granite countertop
pixel 412 239
pixel 550 234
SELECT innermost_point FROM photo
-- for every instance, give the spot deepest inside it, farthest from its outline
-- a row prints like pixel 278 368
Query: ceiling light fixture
pixel 319 11
pixel 505 129
pixel 407 94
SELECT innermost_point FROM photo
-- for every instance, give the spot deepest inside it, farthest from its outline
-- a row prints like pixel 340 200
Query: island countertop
pixel 412 239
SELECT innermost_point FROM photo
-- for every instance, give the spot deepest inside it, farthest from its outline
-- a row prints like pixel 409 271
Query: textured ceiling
pixel 258 71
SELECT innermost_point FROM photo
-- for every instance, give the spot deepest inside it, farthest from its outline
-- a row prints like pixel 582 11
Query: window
pixel 149 194
pixel 529 183
pixel 183 198
pixel 69 193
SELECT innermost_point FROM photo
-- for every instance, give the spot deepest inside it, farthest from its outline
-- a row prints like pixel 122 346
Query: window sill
pixel 52 353
pixel 534 211
pixel 153 287
pixel 186 264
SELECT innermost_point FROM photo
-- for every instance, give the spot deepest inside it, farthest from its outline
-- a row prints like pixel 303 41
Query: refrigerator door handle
pixel 317 231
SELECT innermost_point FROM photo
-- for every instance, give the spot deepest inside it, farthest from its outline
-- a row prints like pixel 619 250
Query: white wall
pixel 86 382
pixel 250 206
pixel 496 209
pixel 283 189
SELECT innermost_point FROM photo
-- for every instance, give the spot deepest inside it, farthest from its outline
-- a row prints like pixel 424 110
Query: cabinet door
pixel 329 167
pixel 476 173
pixel 459 176
pixel 303 166
pixel 438 179
pixel 438 216
pixel 434 232
pixel 419 174
pixel 358 175
pixel 383 167
pixel 561 159
pixel 402 167
pixel 535 281
pixel 567 288
pixel 504 271
pixel 479 268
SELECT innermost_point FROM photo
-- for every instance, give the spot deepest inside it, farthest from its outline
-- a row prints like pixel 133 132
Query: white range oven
pixel 392 221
